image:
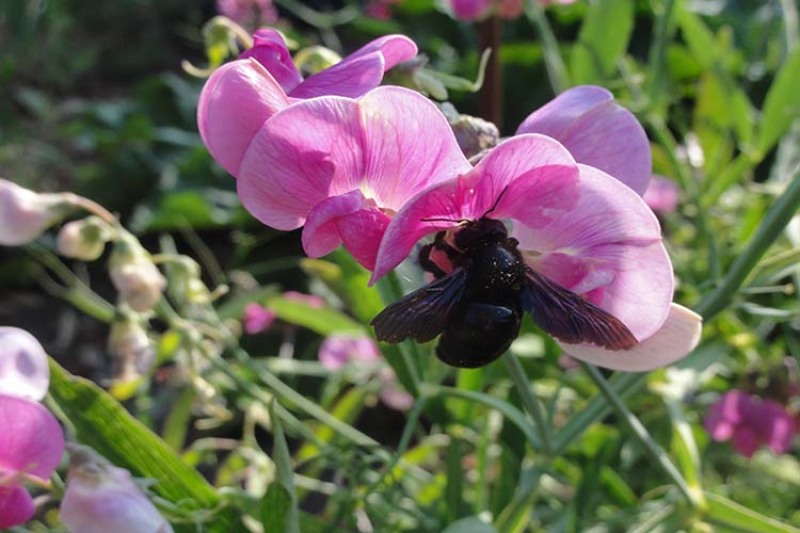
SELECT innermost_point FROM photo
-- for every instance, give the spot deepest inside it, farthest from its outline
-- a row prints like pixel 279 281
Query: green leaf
pixel 279 511
pixel 595 54
pixel 781 105
pixel 102 423
pixel 471 524
pixel 699 38
pixel 325 321
pixel 726 513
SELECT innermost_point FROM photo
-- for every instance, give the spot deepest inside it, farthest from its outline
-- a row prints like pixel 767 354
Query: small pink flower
pixel 576 225
pixel 392 394
pixel 337 351
pixel 31 445
pixel 310 300
pixel 24 371
pixel 102 498
pixel 241 96
pixel 662 195
pixel 257 318
pixel 750 422
pixel 250 14
pixel 343 167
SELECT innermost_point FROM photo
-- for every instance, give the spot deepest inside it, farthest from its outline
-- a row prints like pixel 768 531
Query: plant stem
pixel 553 61
pixel 531 403
pixel 490 103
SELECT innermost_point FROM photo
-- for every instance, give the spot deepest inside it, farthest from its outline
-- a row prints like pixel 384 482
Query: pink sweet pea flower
pixel 597 132
pixel 750 423
pixel 257 318
pixel 242 95
pixel 101 498
pixel 342 167
pixel 31 445
pixel 577 226
pixel 338 350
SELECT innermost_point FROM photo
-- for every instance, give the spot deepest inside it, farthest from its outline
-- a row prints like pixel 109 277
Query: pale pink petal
pixel 24 370
pixel 311 300
pixel 303 155
pixel 678 336
pixel 257 318
pixel 535 175
pixel 394 49
pixel 16 506
pixel 235 102
pixel 31 441
pixel 598 132
pixel 338 350
pixel 662 195
pixel 270 50
pixel 608 249
pixel 350 219
pixel 351 78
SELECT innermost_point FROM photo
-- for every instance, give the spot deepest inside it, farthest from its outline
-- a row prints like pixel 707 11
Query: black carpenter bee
pixel 477 307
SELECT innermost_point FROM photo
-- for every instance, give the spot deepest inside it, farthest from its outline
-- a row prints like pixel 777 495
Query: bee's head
pixel 480 232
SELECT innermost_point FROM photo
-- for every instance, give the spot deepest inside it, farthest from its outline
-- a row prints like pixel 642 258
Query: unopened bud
pixel 132 353
pixel 133 273
pixel 24 214
pixel 185 283
pixel 84 239
pixel 474 135
pixel 100 497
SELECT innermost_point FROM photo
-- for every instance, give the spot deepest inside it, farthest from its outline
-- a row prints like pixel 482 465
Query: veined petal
pixel 308 152
pixel 270 50
pixel 351 78
pixel 535 175
pixel 235 102
pixel 31 441
pixel 394 48
pixel 608 249
pixel 350 219
pixel 16 506
pixel 598 132
pixel 676 338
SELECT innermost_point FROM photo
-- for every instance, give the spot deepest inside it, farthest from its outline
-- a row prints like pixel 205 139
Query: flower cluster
pixel 378 170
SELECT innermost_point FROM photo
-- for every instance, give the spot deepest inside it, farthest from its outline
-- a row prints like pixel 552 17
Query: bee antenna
pixel 496 202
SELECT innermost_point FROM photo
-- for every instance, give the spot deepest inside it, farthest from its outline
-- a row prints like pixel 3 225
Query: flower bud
pixel 474 135
pixel 185 283
pixel 133 273
pixel 132 353
pixel 100 497
pixel 24 214
pixel 23 365
pixel 84 239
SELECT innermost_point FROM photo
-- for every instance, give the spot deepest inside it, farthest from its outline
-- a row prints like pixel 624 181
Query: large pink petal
pixel 303 155
pixel 535 175
pixel 235 102
pixel 270 50
pixel 608 248
pixel 16 506
pixel 598 132
pixel 350 219
pixel 676 338
pixel 31 441
pixel 24 370
pixel 408 146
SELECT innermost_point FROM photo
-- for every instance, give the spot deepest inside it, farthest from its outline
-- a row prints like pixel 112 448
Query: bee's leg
pixel 428 264
pixel 437 257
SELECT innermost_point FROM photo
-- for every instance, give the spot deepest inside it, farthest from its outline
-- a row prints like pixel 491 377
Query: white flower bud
pixel 133 273
pixel 100 497
pixel 84 239
pixel 132 352
pixel 24 214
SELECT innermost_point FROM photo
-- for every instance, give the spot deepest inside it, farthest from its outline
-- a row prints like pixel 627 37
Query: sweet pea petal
pixel 31 441
pixel 468 10
pixel 535 175
pixel 676 338
pixel 598 132
pixel 235 102
pixel 24 371
pixel 360 71
pixel 16 506
pixel 390 145
pixel 608 249
pixel 270 50
pixel 350 219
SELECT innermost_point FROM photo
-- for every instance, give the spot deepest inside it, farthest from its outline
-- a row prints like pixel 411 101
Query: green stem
pixel 658 53
pixel 790 24
pixel 529 401
pixel 553 61
pixel 652 449
pixel 775 220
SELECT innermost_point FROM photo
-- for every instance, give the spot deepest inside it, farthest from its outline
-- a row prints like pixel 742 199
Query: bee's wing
pixel 421 315
pixel 571 319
